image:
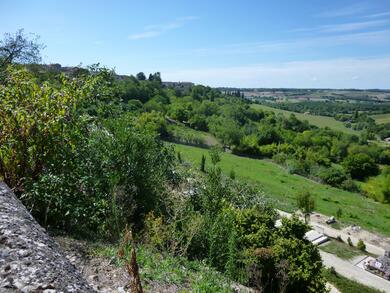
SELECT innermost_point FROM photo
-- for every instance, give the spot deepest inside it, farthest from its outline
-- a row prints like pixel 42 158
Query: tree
pixel 19 48
pixel 155 77
pixel 141 76
pixel 215 155
pixel 305 203
pixel 339 213
pixel 202 163
pixel 360 166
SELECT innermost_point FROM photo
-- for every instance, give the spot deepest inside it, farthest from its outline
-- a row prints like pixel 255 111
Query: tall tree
pixel 20 48
pixel 141 76
pixel 305 203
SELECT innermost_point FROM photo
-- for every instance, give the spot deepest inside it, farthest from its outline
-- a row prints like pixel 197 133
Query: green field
pixel 341 249
pixel 282 188
pixel 320 121
pixel 381 118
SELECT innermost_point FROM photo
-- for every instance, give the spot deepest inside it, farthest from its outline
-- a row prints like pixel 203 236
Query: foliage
pixel 38 122
pixel 360 166
pixel 305 203
pixel 203 164
pixel 360 245
pixel 282 189
pixel 19 48
pixel 378 188
pixel 114 177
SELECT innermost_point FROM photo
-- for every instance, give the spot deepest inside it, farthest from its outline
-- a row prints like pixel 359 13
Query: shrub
pixel 37 122
pixel 360 245
pixel 350 185
pixel 339 213
pixel 378 188
pixel 202 163
pixel 384 157
pixel 114 176
pixel 232 174
pixel 360 166
pixel 268 150
pixel 295 166
pixel 332 176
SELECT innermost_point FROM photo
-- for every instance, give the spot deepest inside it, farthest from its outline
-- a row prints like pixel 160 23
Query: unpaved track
pixel 351 271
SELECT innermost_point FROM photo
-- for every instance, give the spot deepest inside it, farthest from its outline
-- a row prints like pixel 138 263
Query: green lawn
pixel 282 187
pixel 341 249
pixel 320 121
pixel 381 118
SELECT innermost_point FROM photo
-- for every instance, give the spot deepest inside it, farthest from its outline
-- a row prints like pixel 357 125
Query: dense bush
pixel 114 176
pixel 378 188
pixel 360 166
pixel 332 176
pixel 37 121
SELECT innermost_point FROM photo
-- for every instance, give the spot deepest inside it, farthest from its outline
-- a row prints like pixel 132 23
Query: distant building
pixel 387 139
pixel 178 84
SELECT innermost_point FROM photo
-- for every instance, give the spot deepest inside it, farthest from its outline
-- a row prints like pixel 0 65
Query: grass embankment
pixel 346 285
pixel 341 249
pixel 381 118
pixel 282 187
pixel 320 121
pixel 165 270
pixel 187 135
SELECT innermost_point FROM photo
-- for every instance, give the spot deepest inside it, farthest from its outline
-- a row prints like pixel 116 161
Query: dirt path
pixel 353 272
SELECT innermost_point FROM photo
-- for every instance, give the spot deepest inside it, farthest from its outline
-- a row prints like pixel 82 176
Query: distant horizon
pixel 258 43
pixel 227 87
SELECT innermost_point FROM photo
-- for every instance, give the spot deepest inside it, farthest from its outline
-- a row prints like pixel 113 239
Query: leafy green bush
pixel 378 188
pixel 360 166
pixel 36 122
pixel 332 176
pixel 114 176
pixel 360 245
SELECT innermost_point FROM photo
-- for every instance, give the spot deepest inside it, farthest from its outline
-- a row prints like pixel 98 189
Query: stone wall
pixel 30 260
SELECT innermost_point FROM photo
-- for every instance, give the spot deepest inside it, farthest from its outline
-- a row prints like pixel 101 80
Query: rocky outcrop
pixel 30 260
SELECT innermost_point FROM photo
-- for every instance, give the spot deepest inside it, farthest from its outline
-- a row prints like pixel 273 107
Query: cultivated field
pixel 282 188
pixel 320 121
pixel 381 118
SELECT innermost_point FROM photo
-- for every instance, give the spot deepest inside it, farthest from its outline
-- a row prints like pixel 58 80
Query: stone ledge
pixel 30 260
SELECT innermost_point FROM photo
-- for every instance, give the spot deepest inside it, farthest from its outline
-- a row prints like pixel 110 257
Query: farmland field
pixel 282 188
pixel 381 118
pixel 319 121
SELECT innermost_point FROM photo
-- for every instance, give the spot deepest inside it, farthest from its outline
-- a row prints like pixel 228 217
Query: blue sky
pixel 279 43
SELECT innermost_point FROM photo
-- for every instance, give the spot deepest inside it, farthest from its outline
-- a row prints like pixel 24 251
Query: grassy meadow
pixel 282 187
pixel 320 121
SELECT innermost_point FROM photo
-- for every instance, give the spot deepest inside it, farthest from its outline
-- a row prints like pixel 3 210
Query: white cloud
pixel 381 14
pixel 155 30
pixel 344 27
pixel 331 73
